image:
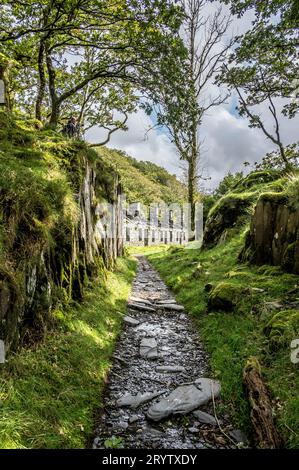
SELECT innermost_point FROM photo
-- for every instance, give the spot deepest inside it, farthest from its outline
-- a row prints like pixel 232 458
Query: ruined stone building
pixel 156 225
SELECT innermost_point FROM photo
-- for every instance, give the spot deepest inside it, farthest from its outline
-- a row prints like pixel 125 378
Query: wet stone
pixel 177 308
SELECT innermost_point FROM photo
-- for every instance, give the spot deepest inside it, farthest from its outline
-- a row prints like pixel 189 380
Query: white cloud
pixel 153 146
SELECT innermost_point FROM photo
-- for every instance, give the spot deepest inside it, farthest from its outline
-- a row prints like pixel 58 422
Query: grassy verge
pixel 146 250
pixel 232 337
pixel 48 395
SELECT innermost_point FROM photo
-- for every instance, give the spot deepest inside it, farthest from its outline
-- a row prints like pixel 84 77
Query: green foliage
pixel 113 44
pixel 49 395
pixel 41 175
pixel 114 443
pixel 229 182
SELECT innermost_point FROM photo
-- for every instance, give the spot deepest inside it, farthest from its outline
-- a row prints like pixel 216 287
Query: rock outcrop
pixel 38 272
pixel 225 215
pixel 274 234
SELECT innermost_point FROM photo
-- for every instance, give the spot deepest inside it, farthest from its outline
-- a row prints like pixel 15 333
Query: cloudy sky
pixel 228 141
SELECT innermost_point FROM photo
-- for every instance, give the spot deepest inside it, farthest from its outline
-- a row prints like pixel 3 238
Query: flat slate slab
pixel 131 321
pixel 148 348
pixel 184 399
pixel 140 300
pixel 143 307
pixel 176 307
pixel 136 400
pixel 170 369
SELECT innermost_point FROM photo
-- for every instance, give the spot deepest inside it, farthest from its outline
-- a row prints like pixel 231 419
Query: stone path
pixel 159 377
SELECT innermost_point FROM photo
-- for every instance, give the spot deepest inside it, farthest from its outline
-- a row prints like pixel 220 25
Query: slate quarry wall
pixel 273 237
pixel 56 270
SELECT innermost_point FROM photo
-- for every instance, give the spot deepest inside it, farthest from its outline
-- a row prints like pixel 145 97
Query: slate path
pixel 158 351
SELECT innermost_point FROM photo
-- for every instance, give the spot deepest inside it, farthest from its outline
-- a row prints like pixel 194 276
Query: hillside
pixel 144 181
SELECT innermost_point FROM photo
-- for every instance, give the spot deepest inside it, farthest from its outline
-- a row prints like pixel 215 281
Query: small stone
pixel 193 430
pixel 131 321
pixel 185 398
pixel 133 419
pixel 257 289
pixel 205 418
pixel 148 348
pixel 208 287
pixel 182 317
pixel 239 436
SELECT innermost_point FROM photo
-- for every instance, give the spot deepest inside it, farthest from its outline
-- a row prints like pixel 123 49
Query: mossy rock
pixel 230 212
pixel 282 328
pixel 225 296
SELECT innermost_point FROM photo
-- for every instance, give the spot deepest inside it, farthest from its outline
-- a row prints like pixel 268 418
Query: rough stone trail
pixel 156 396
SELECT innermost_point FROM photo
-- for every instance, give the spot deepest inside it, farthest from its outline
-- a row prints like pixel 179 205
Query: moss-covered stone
pixel 282 328
pixel 225 296
pixel 226 214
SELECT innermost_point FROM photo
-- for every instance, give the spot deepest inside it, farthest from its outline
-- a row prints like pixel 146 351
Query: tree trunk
pixel 42 81
pixel 55 102
pixel 192 173
pixel 191 191
pixel 288 166
pixel 55 113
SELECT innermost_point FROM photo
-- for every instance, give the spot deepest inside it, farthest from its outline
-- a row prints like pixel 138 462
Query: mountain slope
pixel 144 181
